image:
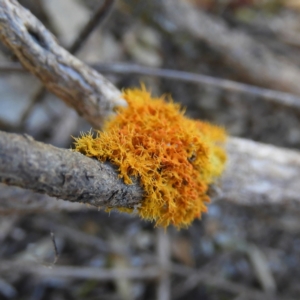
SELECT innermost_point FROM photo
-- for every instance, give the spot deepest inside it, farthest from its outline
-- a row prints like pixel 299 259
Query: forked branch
pixel 255 173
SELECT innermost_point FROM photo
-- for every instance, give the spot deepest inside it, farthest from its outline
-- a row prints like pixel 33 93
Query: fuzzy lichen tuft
pixel 174 158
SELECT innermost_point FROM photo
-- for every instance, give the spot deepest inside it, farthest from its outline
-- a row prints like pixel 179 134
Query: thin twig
pixel 100 14
pixel 163 255
pixel 78 236
pixel 272 96
pixel 55 248
pixel 242 52
pixel 148 273
pixel 197 277
pixel 15 200
pixel 11 67
pixel 38 95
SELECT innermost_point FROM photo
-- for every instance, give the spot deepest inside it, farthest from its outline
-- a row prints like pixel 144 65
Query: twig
pixel 100 14
pixel 93 96
pixel 68 121
pixel 148 273
pixel 256 174
pixel 38 94
pixel 272 96
pixel 259 174
pixel 197 277
pixel 62 173
pixel 239 50
pixel 98 17
pixel 55 248
pixel 11 67
pixel 163 255
pixel 79 237
pixel 14 200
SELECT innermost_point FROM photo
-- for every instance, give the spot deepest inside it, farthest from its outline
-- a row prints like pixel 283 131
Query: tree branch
pixel 81 87
pixel 62 173
pixel 258 174
pixel 255 174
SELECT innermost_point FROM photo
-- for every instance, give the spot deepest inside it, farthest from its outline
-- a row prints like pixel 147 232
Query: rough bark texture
pixel 62 173
pixel 256 174
pixel 81 87
pixel 260 174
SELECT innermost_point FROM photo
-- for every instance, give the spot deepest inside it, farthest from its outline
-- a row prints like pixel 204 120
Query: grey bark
pixel 258 174
pixel 81 87
pixel 255 173
pixel 62 173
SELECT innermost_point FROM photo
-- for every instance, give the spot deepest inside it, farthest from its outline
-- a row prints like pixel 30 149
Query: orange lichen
pixel 174 158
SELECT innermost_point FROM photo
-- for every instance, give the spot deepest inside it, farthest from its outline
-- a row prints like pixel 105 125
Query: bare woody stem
pixel 259 174
pixel 255 174
pixel 81 87
pixel 62 173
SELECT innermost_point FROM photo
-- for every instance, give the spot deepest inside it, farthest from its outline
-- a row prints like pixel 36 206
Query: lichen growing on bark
pixel 173 157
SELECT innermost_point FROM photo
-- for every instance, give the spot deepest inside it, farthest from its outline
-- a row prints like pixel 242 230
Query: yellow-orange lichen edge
pixel 174 158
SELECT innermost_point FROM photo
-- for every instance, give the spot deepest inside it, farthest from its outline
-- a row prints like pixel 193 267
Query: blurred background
pixel 234 252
